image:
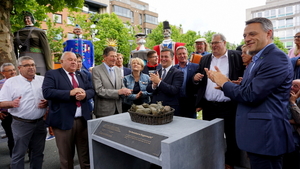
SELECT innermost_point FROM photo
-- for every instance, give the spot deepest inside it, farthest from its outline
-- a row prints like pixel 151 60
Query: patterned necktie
pixel 163 74
pixel 112 76
pixel 75 85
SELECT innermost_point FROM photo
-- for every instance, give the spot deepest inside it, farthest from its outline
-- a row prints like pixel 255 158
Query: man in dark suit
pixel 165 84
pixel 152 65
pixel 211 100
pixel 68 92
pixel 262 127
pixel 125 71
pixel 187 95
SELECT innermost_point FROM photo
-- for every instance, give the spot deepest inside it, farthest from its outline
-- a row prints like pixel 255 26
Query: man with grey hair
pixel 108 84
pixel 7 70
pixel 68 92
pixel 262 127
pixel 23 97
pixel 212 101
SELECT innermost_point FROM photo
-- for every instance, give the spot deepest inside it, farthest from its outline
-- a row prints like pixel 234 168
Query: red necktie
pixel 75 85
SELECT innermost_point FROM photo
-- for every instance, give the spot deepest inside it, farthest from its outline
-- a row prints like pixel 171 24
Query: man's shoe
pixel 50 137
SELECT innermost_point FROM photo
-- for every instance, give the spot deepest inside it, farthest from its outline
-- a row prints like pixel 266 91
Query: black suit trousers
pixel 226 111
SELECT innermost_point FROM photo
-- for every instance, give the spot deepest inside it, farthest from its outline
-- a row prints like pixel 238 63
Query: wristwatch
pixel 294 104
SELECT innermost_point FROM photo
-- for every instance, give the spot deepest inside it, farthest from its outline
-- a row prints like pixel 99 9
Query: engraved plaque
pixel 140 140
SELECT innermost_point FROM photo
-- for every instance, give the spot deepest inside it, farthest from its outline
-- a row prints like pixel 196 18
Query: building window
pixel 273 13
pixel 132 16
pixel 70 36
pixel 258 14
pixel 281 23
pixel 289 22
pixel 289 45
pixel 58 36
pixel 274 24
pixel 289 34
pixel 289 10
pixel 147 31
pixel 297 9
pixel 266 14
pixel 122 11
pixel 151 19
pixel 281 35
pixel 281 12
pixel 57 18
pixel 70 20
pixel 141 19
pixel 85 8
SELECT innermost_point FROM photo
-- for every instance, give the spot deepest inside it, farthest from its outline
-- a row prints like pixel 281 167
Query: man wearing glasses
pixel 152 63
pixel 23 97
pixel 211 100
pixel 7 70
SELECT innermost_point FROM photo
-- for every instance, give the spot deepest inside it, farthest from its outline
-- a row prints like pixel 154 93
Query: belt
pixel 79 117
pixel 27 120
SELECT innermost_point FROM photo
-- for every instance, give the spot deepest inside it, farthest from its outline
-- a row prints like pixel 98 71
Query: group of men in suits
pixel 253 109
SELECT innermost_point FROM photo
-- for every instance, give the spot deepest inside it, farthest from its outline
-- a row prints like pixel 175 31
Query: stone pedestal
pixel 190 144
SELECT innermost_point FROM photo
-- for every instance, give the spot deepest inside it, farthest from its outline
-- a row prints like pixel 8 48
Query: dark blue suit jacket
pixel 168 90
pixel 262 126
pixel 127 71
pixel 62 106
pixel 190 87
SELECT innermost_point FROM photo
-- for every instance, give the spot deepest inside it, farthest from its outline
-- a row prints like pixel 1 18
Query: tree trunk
pixel 6 36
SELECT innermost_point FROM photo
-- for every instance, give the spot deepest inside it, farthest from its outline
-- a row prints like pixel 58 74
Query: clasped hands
pixel 217 77
pixel 154 77
pixel 79 93
pixel 124 91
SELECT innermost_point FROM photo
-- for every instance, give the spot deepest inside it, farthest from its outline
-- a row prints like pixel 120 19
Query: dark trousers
pixel 226 111
pixel 28 135
pixel 6 124
pixel 187 107
pixel 258 161
pixel 66 141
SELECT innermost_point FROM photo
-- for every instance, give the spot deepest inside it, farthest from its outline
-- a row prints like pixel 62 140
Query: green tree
pixel 39 8
pixel 55 38
pixel 280 44
pixel 189 39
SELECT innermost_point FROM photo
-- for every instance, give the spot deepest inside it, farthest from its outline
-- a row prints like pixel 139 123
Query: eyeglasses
pixel 11 70
pixel 28 65
pixel 215 43
pixel 296 37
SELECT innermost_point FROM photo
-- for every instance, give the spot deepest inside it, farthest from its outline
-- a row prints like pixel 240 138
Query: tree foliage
pixel 55 38
pixel 280 44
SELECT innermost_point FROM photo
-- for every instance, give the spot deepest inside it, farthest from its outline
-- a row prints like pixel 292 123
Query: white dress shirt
pixel 212 94
pixel 30 93
pixel 78 110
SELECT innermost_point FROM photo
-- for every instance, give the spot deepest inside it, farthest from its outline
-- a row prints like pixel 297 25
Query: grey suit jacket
pixel 107 99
